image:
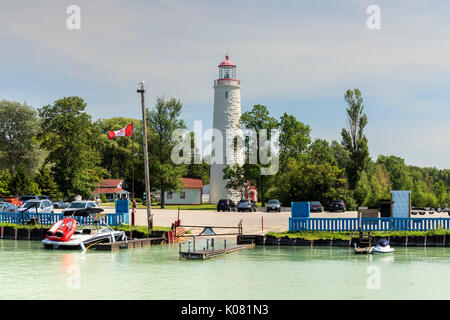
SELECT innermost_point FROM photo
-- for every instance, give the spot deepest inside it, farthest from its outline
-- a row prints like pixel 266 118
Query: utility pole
pixel 147 174
pixel 133 209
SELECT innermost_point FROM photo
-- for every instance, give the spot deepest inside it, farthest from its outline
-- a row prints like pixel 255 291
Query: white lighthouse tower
pixel 227 114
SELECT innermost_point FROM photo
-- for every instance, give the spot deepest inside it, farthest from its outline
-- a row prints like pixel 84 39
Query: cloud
pixel 288 53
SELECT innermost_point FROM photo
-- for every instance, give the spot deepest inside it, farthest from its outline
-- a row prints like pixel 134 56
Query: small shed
pixel 191 193
pixel 401 203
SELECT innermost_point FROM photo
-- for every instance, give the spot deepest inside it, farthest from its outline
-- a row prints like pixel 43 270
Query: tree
pixel 303 181
pixel 163 121
pixel 294 139
pixel 353 139
pixel 67 132
pixel 201 170
pixel 320 152
pixel 18 144
pixel 236 180
pixel 22 183
pixel 398 172
pixel 116 154
pixel 5 183
pixel 259 119
pixel 46 183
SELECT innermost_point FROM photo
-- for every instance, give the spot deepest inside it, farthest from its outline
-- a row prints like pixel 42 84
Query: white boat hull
pixel 380 249
pixel 81 241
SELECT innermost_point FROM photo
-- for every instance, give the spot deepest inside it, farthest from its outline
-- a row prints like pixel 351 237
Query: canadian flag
pixel 125 132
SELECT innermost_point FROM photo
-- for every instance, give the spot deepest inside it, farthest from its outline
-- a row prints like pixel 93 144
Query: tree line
pixel 324 171
pixel 60 151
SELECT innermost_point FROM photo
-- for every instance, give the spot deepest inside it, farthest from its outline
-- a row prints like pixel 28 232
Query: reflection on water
pixel 28 271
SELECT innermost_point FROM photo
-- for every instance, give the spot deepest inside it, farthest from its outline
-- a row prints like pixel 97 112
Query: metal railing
pixel 112 219
pixel 368 224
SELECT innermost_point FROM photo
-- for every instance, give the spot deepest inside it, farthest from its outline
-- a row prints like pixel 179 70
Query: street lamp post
pixel 147 174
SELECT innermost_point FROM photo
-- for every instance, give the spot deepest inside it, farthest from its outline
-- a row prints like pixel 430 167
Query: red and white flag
pixel 125 132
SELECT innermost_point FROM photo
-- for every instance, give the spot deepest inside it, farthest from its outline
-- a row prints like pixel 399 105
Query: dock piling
pixel 212 244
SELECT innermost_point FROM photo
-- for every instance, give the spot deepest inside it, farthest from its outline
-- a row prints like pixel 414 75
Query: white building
pixel 191 193
pixel 227 114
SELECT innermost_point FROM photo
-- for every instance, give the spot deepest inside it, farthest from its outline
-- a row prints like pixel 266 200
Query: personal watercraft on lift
pixel 64 234
pixel 382 247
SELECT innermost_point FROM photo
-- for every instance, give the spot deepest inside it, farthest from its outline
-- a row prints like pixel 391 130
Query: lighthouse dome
pixel 227 62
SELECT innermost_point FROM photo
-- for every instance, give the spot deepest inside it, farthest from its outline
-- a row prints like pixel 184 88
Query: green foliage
pixel 294 138
pixel 353 139
pixel 18 144
pixel 103 198
pixel 258 119
pixel 305 182
pixel 349 200
pixel 68 133
pixel 398 172
pixel 320 152
pixel 46 183
pixel 22 183
pixel 163 121
pixel 5 183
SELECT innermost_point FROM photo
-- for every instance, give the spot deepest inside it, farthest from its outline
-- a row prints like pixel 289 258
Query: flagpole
pixel 147 174
pixel 132 170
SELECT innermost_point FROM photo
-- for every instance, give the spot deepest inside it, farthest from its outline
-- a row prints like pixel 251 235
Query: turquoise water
pixel 29 272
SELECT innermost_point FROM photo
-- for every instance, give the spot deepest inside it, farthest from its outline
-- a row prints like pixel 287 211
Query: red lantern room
pixel 227 69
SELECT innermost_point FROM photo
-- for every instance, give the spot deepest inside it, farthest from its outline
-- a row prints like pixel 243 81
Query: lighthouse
pixel 226 119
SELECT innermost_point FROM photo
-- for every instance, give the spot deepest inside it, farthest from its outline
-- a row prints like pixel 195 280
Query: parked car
pixel 60 204
pixel 337 205
pixel 315 206
pixel 77 205
pixel 246 204
pixel 14 200
pixel 44 198
pixel 7 207
pixel 43 206
pixel 273 205
pixel 27 198
pixel 226 205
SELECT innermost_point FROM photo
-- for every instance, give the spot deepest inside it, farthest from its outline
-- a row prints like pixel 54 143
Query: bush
pixel 349 200
pixel 103 198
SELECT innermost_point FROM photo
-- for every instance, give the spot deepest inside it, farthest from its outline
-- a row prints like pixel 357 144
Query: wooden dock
pixel 365 250
pixel 208 254
pixel 129 244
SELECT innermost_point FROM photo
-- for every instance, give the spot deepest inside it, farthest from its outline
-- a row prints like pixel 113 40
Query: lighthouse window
pixel 226 94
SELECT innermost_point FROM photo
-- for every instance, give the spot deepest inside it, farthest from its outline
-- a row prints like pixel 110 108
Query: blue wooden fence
pixel 112 219
pixel 368 224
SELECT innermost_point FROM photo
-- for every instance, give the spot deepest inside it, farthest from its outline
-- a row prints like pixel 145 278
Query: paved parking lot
pixel 253 222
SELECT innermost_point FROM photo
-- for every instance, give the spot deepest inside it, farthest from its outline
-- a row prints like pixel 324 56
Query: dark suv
pixel 337 205
pixel 226 205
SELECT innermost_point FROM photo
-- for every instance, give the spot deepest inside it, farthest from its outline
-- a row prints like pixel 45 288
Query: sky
pixel 298 57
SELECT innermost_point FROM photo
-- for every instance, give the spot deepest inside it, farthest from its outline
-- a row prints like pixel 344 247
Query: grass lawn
pixel 316 235
pixel 204 206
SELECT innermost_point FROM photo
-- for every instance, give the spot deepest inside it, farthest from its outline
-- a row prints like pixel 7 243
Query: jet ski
pixel 382 247
pixel 64 234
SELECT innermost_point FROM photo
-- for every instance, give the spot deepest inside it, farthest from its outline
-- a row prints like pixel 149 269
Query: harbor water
pixel 27 271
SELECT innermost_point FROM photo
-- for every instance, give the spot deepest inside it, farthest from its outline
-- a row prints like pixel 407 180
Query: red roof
pixel 227 63
pixel 192 183
pixel 108 190
pixel 110 183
